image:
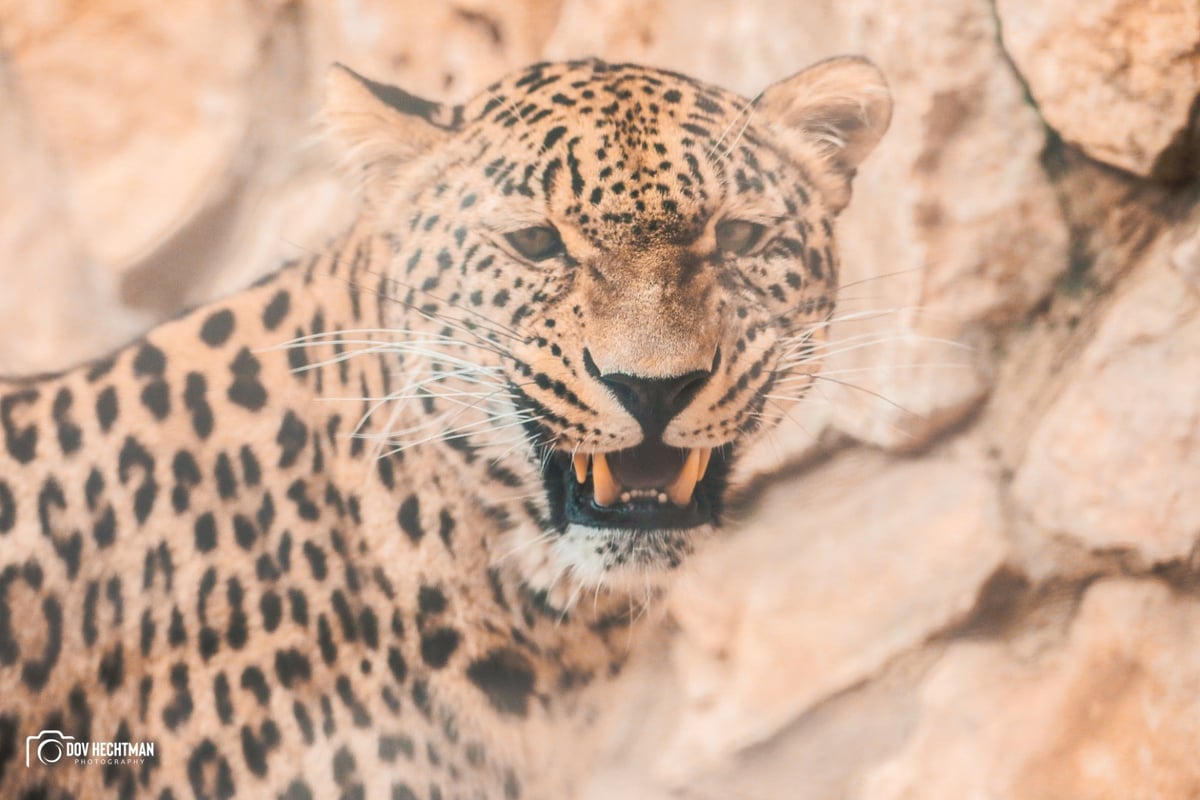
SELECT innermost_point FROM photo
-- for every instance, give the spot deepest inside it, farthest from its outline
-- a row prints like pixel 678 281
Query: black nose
pixel 654 402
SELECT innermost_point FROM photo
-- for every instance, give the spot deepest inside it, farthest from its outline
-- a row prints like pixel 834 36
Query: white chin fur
pixel 622 561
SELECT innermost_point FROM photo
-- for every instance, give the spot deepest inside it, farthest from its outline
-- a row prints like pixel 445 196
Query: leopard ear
pixel 836 110
pixel 378 129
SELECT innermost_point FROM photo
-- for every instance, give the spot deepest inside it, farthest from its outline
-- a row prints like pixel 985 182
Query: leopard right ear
pixel 377 129
pixel 833 113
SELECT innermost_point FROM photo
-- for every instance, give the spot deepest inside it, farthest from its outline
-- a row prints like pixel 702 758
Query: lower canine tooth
pixel 605 489
pixel 580 460
pixel 680 491
pixel 705 457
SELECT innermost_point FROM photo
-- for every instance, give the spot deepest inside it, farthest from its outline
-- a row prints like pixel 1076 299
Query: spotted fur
pixel 305 539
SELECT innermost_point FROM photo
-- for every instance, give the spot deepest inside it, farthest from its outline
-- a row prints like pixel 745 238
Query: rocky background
pixel 967 566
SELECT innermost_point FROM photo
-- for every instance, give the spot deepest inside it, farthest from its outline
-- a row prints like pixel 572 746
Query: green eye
pixel 738 236
pixel 537 243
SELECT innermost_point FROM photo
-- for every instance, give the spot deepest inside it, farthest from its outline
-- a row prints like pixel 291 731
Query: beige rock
pixel 186 140
pixel 442 50
pixel 1112 713
pixel 55 308
pixel 147 124
pixel 1116 77
pixel 1185 258
pixel 842 571
pixel 954 229
pixel 819 756
pixel 1114 462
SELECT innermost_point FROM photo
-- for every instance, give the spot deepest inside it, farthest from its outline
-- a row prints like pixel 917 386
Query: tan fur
pixel 307 539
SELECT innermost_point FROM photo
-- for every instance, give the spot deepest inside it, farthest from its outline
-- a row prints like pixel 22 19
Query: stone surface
pixel 201 121
pixel 441 50
pixel 955 230
pixel 147 125
pixel 1118 78
pixel 56 309
pixel 820 755
pixel 1112 712
pixel 843 570
pixel 1185 258
pixel 1114 463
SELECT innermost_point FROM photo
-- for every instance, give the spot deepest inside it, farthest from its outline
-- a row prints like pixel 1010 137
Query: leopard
pixel 386 523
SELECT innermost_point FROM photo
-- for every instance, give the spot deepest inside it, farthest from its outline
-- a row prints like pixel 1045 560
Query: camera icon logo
pixel 48 747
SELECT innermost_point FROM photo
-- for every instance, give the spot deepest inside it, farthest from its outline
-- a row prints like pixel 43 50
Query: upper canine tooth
pixel 680 490
pixel 605 489
pixel 581 461
pixel 705 457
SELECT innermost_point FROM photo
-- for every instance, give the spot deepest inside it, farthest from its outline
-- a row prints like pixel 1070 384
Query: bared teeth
pixel 680 490
pixel 605 489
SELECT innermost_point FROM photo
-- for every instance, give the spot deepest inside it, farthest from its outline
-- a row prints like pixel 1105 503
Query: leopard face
pixel 613 271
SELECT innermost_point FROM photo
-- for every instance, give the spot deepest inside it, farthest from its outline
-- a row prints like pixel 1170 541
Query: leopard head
pixel 613 273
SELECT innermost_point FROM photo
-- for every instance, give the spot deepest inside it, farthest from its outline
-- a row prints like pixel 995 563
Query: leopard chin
pixel 626 519
pixel 632 560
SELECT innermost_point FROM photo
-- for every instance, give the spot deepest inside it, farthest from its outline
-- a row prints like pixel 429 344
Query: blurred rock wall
pixel 967 564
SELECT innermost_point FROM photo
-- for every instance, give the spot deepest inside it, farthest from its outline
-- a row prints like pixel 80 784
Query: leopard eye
pixel 537 243
pixel 738 236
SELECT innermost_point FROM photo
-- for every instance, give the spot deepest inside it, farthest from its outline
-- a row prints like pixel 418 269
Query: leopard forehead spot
pixel 316 539
pixel 621 155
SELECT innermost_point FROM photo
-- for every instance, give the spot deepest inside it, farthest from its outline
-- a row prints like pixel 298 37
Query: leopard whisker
pixel 441 420
pixel 454 434
pixel 466 375
pixel 745 125
pixel 894 274
pixel 799 359
pixel 539 539
pixel 570 602
pixel 747 110
pixel 865 390
pixel 373 347
pixel 340 332
pixel 882 366
pixel 869 314
pixel 492 325
pixel 461 326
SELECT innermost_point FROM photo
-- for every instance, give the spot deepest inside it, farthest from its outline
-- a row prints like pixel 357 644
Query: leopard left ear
pixel 836 110
pixel 379 129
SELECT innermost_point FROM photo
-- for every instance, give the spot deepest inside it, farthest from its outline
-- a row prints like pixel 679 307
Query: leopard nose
pixel 654 402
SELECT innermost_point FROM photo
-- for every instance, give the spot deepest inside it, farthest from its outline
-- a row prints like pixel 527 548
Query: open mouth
pixel 648 487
